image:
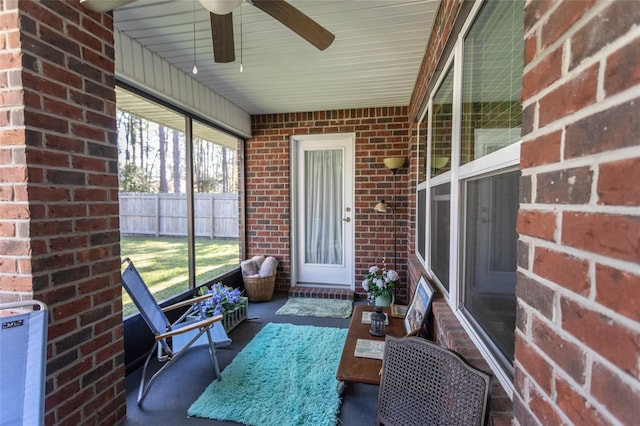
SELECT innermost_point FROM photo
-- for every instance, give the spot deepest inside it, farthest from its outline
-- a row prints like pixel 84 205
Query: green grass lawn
pixel 163 265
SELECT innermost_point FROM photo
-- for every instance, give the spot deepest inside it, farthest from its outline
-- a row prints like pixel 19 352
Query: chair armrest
pixel 192 326
pixel 186 302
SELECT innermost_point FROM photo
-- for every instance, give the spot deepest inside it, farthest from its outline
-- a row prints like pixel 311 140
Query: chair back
pixel 143 299
pixel 423 383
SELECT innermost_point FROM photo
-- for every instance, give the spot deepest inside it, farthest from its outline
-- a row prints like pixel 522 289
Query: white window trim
pixel 499 161
pixel 425 115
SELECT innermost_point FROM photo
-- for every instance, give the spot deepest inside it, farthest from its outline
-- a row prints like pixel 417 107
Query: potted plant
pixel 379 284
pixel 225 301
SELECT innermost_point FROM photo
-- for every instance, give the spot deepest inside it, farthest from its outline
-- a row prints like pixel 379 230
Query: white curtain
pixel 323 207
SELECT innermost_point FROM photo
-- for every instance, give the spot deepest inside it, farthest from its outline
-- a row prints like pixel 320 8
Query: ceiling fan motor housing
pixel 220 7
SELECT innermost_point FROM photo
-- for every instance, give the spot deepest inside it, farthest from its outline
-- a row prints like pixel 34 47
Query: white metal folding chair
pixel 23 352
pixel 164 331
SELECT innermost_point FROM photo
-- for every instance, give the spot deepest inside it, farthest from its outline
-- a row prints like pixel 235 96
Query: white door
pixel 322 210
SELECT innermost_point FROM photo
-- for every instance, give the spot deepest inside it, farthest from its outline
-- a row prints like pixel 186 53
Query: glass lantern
pixel 378 319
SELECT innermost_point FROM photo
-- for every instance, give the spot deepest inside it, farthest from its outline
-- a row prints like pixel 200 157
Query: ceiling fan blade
pixel 297 21
pixel 222 35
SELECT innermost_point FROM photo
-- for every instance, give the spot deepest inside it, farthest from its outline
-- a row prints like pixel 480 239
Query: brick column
pixel 578 327
pixel 59 199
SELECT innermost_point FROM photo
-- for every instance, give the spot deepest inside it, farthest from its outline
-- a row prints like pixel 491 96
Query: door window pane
pixel 490 257
pixel 323 207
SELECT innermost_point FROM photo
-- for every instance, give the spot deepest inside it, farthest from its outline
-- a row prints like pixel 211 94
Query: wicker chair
pixel 425 384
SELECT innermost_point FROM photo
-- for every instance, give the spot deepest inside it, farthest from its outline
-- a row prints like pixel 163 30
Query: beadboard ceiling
pixel 374 60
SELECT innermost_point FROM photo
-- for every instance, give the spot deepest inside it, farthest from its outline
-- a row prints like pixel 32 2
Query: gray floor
pixel 175 390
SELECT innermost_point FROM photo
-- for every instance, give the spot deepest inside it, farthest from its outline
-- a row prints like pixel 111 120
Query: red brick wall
pixel 380 133
pixel 448 332
pixel 15 268
pixel 578 335
pixel 60 190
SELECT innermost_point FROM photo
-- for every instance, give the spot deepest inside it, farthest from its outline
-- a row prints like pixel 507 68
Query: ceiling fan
pixel 222 22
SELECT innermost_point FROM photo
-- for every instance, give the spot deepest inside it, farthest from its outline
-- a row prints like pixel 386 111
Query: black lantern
pixel 378 319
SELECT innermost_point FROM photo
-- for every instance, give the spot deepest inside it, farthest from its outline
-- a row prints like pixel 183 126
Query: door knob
pixel 347 219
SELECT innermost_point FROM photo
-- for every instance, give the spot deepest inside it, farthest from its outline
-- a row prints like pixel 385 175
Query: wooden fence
pixel 216 215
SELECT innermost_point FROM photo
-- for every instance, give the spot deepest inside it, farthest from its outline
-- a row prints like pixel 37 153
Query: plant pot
pixel 384 300
pixel 236 316
pixel 230 318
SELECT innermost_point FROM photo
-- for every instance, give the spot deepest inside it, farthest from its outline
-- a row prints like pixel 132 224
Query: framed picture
pixel 398 311
pixel 419 308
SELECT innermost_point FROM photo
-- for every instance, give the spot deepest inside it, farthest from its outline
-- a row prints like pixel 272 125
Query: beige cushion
pixel 258 260
pixel 269 267
pixel 249 267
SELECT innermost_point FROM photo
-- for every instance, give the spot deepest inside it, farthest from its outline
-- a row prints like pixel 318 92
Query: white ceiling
pixel 374 60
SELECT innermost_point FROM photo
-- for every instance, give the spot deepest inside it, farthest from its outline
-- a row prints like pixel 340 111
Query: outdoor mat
pixel 285 376
pixel 310 307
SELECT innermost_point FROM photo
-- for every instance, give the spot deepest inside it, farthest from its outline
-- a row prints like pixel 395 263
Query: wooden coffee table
pixel 354 369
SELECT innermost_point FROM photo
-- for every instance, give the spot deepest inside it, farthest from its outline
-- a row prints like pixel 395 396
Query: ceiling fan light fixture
pixel 220 7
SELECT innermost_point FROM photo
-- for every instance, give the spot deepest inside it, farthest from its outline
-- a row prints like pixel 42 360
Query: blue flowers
pixel 379 282
pixel 223 299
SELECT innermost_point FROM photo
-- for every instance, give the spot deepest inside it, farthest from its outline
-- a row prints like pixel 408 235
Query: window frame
pixel 190 119
pixel 464 311
pixel 504 160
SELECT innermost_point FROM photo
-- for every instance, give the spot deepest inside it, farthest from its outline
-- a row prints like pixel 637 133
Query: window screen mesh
pixel 492 80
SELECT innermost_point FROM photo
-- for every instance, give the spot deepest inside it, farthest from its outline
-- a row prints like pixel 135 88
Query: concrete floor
pixel 177 388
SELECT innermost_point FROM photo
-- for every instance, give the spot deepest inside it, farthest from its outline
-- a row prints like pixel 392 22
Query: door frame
pixel 293 199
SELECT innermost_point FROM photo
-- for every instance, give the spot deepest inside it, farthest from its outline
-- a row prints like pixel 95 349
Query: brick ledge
pixel 448 332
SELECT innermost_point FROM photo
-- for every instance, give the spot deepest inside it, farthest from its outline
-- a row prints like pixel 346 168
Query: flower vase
pixel 384 300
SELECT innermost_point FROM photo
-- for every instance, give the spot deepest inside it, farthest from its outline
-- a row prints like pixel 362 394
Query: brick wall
pixel 448 332
pixel 578 328
pixel 15 268
pixel 380 133
pixel 59 220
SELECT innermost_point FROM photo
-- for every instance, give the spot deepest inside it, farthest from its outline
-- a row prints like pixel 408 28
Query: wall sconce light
pixel 393 163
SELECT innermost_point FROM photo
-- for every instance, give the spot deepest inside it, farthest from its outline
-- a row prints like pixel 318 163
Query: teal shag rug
pixel 310 307
pixel 285 376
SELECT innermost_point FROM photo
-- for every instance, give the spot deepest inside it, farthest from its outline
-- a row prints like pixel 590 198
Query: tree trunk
pixel 162 142
pixel 225 171
pixel 176 162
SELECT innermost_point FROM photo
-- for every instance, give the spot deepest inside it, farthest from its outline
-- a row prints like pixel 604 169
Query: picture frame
pixel 399 311
pixel 419 308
